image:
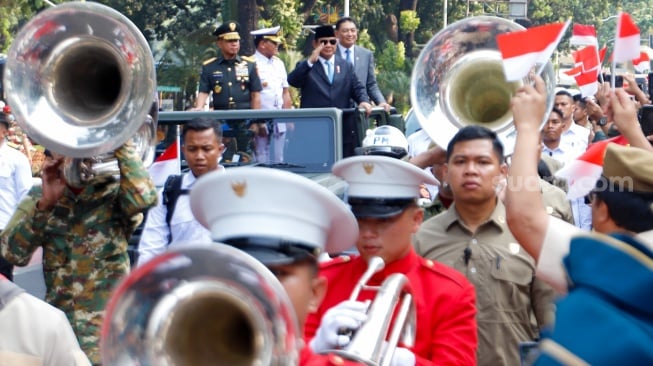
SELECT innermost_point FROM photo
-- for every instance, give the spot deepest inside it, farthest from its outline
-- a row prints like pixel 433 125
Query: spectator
pixel 15 182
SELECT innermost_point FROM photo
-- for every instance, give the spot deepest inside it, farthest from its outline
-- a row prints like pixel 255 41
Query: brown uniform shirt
pixel 511 303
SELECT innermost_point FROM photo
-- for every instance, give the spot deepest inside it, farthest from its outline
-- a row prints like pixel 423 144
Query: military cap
pixel 380 186
pixel 628 168
pixel 228 31
pixel 324 31
pixel 273 34
pixel 275 216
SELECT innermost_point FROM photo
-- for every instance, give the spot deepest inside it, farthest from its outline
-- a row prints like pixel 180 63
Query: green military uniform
pixel 84 240
pixel 230 81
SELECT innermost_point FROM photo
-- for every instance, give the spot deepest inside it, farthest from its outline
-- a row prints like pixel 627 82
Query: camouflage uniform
pixel 84 240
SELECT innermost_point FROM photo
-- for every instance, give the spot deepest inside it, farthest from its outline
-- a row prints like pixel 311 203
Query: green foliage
pixel 365 40
pixel 392 57
pixel 396 87
pixel 409 21
pixel 285 14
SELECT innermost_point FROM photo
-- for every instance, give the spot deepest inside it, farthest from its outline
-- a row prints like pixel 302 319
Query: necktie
pixel 347 57
pixel 329 71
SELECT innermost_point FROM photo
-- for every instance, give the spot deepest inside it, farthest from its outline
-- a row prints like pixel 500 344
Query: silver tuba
pixel 375 342
pixel 458 81
pixel 200 305
pixel 80 79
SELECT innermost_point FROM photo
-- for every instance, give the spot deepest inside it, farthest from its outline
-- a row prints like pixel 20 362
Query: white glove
pixel 402 357
pixel 346 315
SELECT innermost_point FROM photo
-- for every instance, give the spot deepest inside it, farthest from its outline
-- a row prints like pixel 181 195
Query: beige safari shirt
pixel 511 303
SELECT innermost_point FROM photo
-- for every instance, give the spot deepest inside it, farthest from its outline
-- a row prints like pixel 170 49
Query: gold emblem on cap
pixel 239 188
pixel 217 89
pixel 232 26
pixel 369 167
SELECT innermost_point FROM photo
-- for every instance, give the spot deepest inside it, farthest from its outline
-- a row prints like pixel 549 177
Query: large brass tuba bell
pixel 80 79
pixel 458 81
pixel 200 305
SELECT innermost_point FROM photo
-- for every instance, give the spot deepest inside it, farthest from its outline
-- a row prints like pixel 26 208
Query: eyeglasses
pixel 332 41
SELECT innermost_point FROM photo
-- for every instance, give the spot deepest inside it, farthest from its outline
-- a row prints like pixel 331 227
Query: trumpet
pixel 81 81
pixel 374 342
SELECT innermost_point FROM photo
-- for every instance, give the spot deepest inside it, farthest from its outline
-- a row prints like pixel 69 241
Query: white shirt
pixel 274 79
pixel 36 333
pixel 575 138
pixel 183 225
pixel 15 181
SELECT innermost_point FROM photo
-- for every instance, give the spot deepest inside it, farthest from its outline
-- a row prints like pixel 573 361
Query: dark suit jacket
pixel 317 92
pixel 364 68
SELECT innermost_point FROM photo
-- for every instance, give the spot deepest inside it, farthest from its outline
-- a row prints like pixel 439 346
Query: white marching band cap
pixel 277 217
pixel 380 186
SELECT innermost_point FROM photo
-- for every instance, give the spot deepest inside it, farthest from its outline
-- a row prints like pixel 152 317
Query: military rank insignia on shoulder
pixel 249 59
pixel 209 61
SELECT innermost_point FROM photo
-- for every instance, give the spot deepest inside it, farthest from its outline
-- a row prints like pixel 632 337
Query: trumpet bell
pixel 80 79
pixel 458 81
pixel 206 304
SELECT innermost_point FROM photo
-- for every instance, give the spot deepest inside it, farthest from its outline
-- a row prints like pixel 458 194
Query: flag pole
pixel 178 140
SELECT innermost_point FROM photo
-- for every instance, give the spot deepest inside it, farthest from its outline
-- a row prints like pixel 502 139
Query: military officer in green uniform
pixel 231 78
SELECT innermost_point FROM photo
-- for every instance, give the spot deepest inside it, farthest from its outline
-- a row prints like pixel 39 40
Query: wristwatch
pixel 602 121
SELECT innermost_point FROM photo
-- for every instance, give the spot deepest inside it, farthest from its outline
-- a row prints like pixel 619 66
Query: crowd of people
pixel 501 268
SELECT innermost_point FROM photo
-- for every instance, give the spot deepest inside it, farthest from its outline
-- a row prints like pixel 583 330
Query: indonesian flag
pixel 582 173
pixel 588 58
pixel 577 70
pixel 587 83
pixel 583 35
pixel 602 52
pixel 626 42
pixel 642 63
pixel 522 50
pixel 166 164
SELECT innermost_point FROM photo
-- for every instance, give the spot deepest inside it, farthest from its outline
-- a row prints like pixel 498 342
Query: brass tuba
pixel 458 81
pixel 80 79
pixel 374 343
pixel 209 304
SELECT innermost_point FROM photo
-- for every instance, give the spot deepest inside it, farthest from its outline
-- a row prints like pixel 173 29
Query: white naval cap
pixel 380 186
pixel 277 217
pixel 273 34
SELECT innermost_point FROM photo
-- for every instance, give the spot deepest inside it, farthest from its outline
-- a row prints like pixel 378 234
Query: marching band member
pixel 382 193
pixel 285 231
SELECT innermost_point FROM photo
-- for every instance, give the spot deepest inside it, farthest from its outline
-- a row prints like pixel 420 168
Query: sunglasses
pixel 332 41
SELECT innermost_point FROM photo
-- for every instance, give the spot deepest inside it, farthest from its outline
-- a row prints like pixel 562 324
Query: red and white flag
pixel 582 173
pixel 587 83
pixel 588 58
pixel 522 50
pixel 602 52
pixel 643 63
pixel 583 35
pixel 626 42
pixel 166 164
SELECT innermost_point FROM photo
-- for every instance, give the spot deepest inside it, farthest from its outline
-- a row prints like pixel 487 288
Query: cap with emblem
pixel 628 168
pixel 273 34
pixel 380 186
pixel 228 31
pixel 324 31
pixel 277 217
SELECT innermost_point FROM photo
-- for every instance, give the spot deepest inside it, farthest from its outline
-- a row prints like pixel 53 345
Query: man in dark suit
pixel 325 80
pixel 361 58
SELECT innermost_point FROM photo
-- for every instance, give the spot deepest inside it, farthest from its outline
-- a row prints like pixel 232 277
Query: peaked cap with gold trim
pixel 228 31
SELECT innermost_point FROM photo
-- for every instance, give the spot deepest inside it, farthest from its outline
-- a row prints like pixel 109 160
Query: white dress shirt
pixel 15 181
pixel 183 225
pixel 274 79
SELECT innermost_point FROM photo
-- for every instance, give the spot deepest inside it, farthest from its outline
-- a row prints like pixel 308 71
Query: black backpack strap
pixel 171 192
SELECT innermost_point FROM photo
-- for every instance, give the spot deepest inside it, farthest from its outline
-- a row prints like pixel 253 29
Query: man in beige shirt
pixel 472 236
